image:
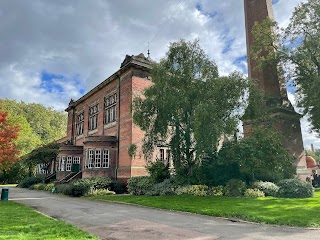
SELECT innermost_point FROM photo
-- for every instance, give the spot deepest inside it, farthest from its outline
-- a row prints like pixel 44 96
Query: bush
pixel 162 189
pixel 195 190
pixel 100 182
pixel 64 189
pixel 118 187
pixel 235 188
pixel 294 188
pixel 139 185
pixel 269 188
pixel 29 181
pixel 216 191
pixel 101 192
pixel 254 193
pixel 158 171
pixel 38 186
pixel 80 188
pixel 49 186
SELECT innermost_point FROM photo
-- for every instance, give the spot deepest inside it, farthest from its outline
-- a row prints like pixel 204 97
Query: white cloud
pixel 89 39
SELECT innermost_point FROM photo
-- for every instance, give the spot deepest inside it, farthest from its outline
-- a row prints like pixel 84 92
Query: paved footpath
pixel 115 221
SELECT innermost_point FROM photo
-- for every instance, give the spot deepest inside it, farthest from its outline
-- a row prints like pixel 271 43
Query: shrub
pixel 64 189
pixel 49 186
pixel 254 193
pixel 38 186
pixel 162 189
pixel 235 188
pixel 158 171
pixel 101 192
pixel 139 185
pixel 195 190
pixel 29 181
pixel 100 182
pixel 269 188
pixel 79 188
pixel 118 187
pixel 294 188
pixel 216 191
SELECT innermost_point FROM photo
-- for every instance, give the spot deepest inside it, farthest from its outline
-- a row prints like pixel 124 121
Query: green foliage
pixel 118 187
pixel 64 189
pixel 194 190
pixel 219 170
pixel 216 191
pixel 139 185
pixel 162 189
pixel 100 192
pixel 158 171
pixel 294 188
pixel 49 186
pixel 38 186
pixel 79 188
pixel 98 182
pixel 132 150
pixel 254 193
pixel 297 49
pixel 235 188
pixel 29 181
pixel 260 157
pixel 178 106
pixel 269 188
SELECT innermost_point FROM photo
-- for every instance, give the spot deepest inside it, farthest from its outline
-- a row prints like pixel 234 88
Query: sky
pixel 52 51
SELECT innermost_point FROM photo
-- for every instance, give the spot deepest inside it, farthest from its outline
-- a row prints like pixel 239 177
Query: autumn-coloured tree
pixel 8 150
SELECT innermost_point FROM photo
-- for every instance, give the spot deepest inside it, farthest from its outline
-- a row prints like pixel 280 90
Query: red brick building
pixel 100 128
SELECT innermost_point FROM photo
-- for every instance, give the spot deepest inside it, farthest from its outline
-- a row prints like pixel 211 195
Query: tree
pixel 297 48
pixel 8 150
pixel 188 106
pixel 260 157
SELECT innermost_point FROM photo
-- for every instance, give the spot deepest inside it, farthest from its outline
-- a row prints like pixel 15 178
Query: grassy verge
pixel 20 222
pixel 282 211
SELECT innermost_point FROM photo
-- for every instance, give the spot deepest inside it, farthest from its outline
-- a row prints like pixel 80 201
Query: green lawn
pixel 20 222
pixel 303 212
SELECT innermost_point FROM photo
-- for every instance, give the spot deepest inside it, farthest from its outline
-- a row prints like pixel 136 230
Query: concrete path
pixel 120 221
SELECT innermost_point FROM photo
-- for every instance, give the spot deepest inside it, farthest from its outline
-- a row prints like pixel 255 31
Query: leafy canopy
pixel 8 149
pixel 188 106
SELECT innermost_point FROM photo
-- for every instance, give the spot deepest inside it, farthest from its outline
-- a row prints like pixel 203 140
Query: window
pixel 161 154
pixel 93 117
pixel 69 163
pixel 62 163
pixel 80 123
pixel 98 159
pixel 90 158
pixel 168 157
pixel 76 160
pixel 105 159
pixel 110 108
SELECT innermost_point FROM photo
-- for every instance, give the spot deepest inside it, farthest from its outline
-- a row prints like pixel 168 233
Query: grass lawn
pixel 20 222
pixel 302 212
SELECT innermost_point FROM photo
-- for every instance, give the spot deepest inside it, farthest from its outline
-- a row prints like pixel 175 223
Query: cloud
pixel 80 43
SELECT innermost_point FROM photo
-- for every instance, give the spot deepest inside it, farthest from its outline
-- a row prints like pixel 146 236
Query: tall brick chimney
pixel 284 118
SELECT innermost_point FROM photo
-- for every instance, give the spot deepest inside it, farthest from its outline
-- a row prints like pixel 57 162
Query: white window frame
pixel 105 158
pixel 76 160
pixel 161 155
pixel 90 158
pixel 97 160
pixel 62 165
pixel 69 163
